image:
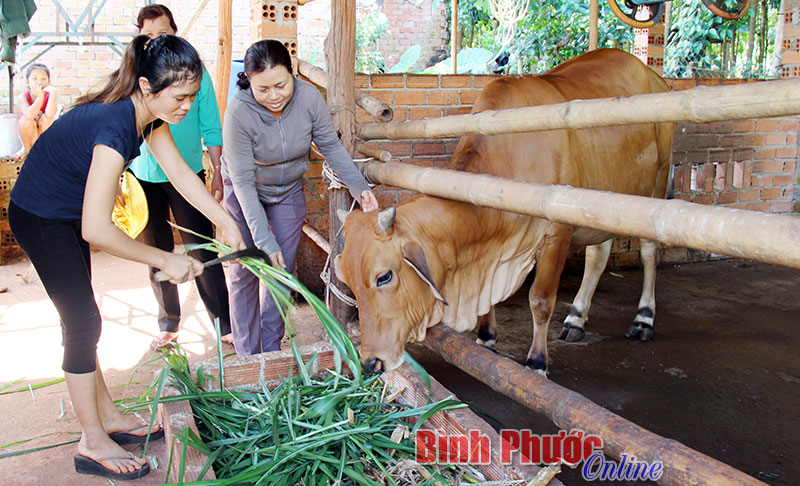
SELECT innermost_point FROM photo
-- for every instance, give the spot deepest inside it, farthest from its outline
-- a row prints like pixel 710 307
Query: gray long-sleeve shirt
pixel 265 156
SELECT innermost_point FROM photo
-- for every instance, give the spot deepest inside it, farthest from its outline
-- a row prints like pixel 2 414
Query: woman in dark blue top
pixel 62 202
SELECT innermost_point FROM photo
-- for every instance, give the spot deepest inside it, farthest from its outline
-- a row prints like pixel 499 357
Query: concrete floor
pixel 721 376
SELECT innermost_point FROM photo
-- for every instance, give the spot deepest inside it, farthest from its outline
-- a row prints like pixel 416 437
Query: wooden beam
pixel 340 57
pixel 191 21
pixel 594 9
pixel 570 410
pixel 372 105
pixel 701 104
pixel 224 48
pixel 765 237
pixel 374 151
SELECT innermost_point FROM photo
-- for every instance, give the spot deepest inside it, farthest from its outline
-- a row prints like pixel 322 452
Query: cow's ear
pixel 414 255
pixel 386 218
pixel 337 267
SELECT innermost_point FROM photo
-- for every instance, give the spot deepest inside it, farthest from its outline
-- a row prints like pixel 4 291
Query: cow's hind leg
pixel 575 322
pixel 542 296
pixel 642 327
pixel 487 330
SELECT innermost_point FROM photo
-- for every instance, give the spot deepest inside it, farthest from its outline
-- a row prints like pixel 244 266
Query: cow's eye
pixel 385 278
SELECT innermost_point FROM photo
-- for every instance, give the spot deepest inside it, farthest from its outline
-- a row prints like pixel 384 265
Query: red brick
pixel 681 84
pixel 314 170
pixel 723 127
pixel 410 97
pixel 420 113
pixel 758 206
pixel 775 139
pixel 743 126
pixel 771 193
pixel 764 153
pixel 789 152
pixel 719 155
pixel 760 181
pixel 397 149
pixel 382 81
pixel 750 195
pixel 697 156
pixel 428 148
pixel 456 81
pixel 782 180
pixel 468 96
pixel 767 125
pixel 362 81
pixel 316 205
pixel 743 154
pixel 363 117
pixel 788 125
pixel 753 140
pixel 443 98
pixel 322 223
pixel 708 82
pixel 703 199
pixel 781 207
pixel 727 197
pixel 421 161
pixel 461 110
pixel 421 81
pixel 480 81
pixel 400 113
pixel 791 139
pixel 788 166
pixel 315 187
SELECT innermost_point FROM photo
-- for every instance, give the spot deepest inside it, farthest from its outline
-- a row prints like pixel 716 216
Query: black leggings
pixel 61 257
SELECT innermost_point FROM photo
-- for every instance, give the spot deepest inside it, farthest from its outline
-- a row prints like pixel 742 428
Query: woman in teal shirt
pixel 201 122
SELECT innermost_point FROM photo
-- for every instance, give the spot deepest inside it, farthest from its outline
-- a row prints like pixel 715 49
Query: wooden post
pixel 454 34
pixel 224 48
pixel 340 57
pixel 594 9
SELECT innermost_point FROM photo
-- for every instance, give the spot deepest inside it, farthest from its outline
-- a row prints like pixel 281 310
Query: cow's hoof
pixel 490 344
pixel 638 330
pixel 538 365
pixel 571 333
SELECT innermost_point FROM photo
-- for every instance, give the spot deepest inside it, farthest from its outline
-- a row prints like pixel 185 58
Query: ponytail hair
pixel 163 61
pixel 262 55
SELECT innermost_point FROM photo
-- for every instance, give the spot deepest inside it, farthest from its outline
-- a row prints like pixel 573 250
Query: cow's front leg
pixel 487 330
pixel 542 296
pixel 642 326
pixel 575 322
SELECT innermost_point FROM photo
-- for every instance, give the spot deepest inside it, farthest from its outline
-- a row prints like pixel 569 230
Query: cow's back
pixel 631 159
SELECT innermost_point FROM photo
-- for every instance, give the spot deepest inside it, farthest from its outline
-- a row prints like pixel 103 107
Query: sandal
pixel 163 340
pixel 87 465
pixel 127 437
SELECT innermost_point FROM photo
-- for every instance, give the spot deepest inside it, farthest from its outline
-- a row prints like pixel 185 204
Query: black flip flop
pixel 125 437
pixel 86 465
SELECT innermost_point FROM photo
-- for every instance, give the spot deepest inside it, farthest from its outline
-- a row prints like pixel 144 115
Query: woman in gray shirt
pixel 268 129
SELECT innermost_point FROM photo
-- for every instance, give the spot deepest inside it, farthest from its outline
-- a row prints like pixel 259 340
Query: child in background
pixel 37 106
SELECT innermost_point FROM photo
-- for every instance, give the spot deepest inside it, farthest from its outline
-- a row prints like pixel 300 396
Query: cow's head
pixel 393 274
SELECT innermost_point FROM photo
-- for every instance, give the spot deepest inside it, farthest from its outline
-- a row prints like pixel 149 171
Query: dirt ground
pixel 721 376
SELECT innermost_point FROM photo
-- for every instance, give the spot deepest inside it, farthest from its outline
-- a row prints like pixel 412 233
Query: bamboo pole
pixel 317 237
pixel 191 21
pixel 370 104
pixel 701 104
pixel 224 47
pixel 454 34
pixel 570 410
pixel 340 49
pixel 594 9
pixel 770 238
pixel 374 152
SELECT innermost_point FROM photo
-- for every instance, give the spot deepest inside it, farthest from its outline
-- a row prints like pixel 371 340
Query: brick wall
pixel 749 164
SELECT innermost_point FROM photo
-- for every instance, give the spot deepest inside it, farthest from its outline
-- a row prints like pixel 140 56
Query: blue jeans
pixel 255 318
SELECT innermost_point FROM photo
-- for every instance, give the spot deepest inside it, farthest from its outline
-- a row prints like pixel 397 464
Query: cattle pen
pixel 363 112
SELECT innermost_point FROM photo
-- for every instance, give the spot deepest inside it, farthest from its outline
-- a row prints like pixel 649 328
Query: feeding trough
pixel 404 385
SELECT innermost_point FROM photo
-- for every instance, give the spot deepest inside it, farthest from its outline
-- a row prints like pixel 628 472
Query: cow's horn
pixel 386 218
pixel 341 214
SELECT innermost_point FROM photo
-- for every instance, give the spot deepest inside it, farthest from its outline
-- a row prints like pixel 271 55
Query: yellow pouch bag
pixel 130 216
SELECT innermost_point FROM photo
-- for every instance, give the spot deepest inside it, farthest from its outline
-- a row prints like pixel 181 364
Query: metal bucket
pixel 10 142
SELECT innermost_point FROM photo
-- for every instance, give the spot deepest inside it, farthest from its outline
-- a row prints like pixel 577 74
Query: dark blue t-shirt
pixel 52 181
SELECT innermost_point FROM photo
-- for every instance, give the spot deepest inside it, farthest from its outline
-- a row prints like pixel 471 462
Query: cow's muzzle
pixel 373 365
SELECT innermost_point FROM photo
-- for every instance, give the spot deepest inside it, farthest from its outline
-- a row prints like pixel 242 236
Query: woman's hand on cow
pixel 277 259
pixel 368 201
pixel 181 268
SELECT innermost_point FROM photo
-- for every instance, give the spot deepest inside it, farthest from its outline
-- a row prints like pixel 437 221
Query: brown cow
pixel 433 260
